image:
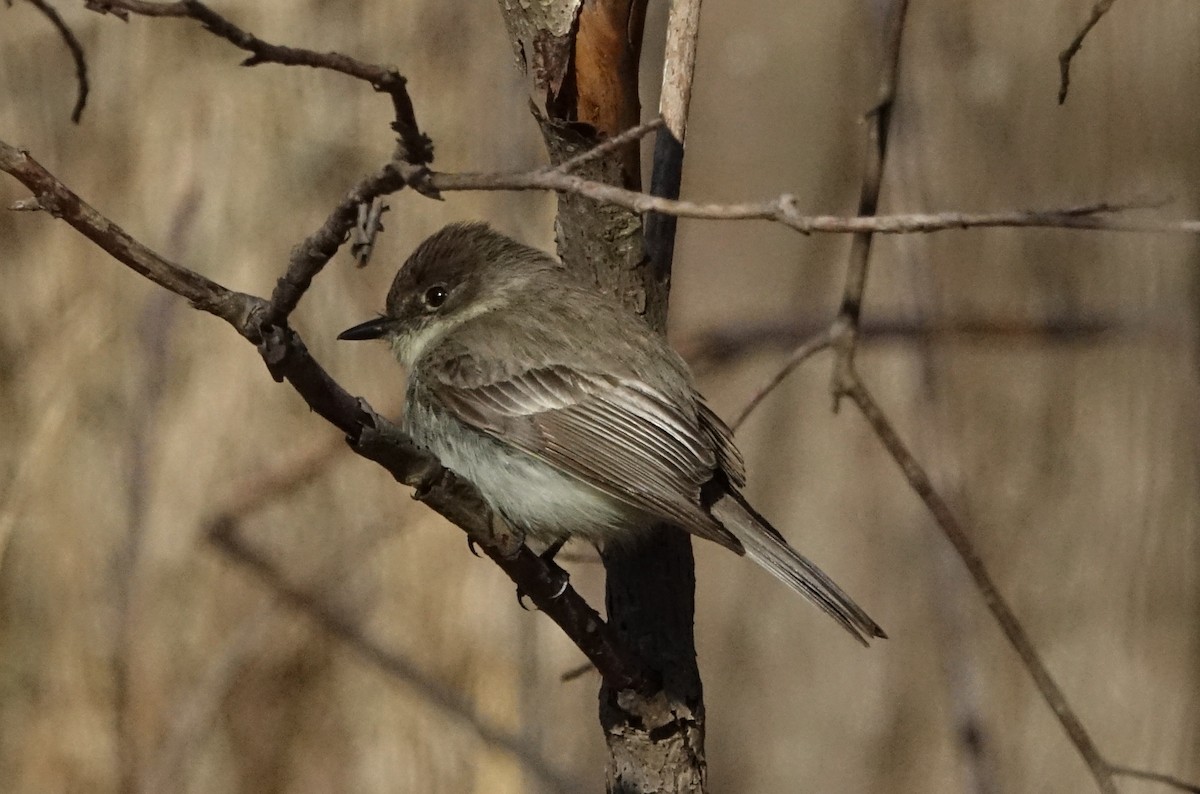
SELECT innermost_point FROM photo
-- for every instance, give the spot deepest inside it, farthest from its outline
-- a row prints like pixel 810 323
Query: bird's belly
pixel 534 496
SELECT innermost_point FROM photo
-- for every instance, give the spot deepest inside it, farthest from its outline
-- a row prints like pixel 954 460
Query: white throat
pixel 407 348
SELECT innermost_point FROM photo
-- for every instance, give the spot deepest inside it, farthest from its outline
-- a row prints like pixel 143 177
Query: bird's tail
pixel 766 546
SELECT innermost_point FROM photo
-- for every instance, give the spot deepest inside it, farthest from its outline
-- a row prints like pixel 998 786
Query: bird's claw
pixel 555 574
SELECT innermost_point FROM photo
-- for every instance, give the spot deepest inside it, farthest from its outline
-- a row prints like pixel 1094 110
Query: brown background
pixel 1074 463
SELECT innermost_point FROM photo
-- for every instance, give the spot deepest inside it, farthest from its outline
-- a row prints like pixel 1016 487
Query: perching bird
pixel 568 412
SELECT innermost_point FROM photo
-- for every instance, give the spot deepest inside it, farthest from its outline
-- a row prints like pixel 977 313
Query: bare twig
pixel 415 147
pixel 1156 777
pixel 1104 216
pixel 845 339
pixel 1064 58
pixel 846 382
pixel 368 433
pixel 844 333
pixel 802 353
pixel 918 480
pixel 72 41
pixel 608 146
pixel 310 256
pixel 229 542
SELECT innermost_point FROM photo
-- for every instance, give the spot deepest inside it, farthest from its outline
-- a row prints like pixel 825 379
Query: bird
pixel 568 412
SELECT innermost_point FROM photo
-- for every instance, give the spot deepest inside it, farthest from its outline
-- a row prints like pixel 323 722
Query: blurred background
pixel 1048 379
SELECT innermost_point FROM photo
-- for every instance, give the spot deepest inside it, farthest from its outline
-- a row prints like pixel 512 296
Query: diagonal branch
pixel 1064 58
pixel 310 256
pixel 367 433
pixel 852 387
pixel 72 41
pixel 223 535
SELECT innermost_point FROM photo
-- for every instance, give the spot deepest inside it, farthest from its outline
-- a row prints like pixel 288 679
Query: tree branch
pixel 1064 58
pixel 223 535
pixel 367 433
pixel 853 388
pixel 415 146
pixel 72 41
pixel 1105 216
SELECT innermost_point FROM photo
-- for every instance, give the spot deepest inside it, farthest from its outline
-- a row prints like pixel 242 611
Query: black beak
pixel 371 329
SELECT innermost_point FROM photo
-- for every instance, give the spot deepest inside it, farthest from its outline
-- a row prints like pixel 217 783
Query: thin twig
pixel 846 382
pixel 416 147
pixel 813 345
pixel 1064 58
pixel 414 150
pixel 919 481
pixel 878 120
pixel 69 38
pixel 608 146
pixel 1106 216
pixel 1156 777
pixel 310 256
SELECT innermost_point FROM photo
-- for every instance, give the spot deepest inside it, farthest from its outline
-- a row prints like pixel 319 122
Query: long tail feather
pixel 766 546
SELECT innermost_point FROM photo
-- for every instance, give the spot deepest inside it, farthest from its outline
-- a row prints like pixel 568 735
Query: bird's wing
pixel 617 434
pixel 728 455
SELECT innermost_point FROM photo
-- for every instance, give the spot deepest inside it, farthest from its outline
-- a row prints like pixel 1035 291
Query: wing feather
pixel 617 434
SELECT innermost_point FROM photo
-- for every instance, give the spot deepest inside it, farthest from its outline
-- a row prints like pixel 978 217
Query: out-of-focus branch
pixel 845 338
pixel 368 434
pixel 223 535
pixel 720 345
pixel 815 344
pixel 415 146
pixel 853 388
pixel 1064 58
pixel 1156 777
pixel 72 41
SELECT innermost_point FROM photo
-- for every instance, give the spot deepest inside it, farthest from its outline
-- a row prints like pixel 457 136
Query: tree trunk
pixel 583 57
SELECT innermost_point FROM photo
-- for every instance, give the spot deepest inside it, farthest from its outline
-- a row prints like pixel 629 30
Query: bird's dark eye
pixel 435 296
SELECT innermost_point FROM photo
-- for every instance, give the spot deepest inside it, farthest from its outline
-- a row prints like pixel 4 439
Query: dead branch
pixel 844 332
pixel 415 146
pixel 1064 58
pixel 72 41
pixel 852 387
pixel 815 344
pixel 1104 216
pixel 224 537
pixel 368 434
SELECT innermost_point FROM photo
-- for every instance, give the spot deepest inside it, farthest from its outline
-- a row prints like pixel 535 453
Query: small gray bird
pixel 569 413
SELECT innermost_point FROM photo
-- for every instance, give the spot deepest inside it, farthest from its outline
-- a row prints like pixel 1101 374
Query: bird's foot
pixel 557 576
